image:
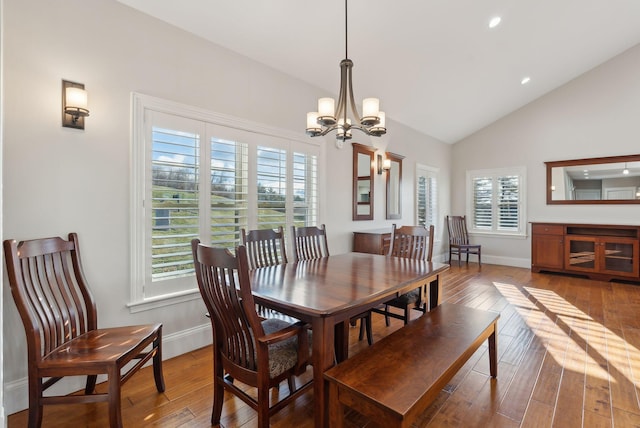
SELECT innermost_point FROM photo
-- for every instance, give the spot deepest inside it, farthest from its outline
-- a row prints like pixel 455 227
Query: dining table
pixel 327 292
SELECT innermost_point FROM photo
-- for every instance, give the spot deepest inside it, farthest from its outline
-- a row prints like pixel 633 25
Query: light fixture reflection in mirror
pixel 606 180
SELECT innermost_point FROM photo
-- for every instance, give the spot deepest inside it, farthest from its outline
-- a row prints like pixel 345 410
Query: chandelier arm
pixel 354 109
pixel 342 95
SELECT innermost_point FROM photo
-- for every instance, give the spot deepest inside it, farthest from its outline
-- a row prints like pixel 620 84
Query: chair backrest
pixel 50 292
pixel 412 242
pixel 225 287
pixel 309 242
pixel 265 247
pixel 457 226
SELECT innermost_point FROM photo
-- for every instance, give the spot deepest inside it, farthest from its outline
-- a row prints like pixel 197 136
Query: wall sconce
pixel 74 105
pixel 383 165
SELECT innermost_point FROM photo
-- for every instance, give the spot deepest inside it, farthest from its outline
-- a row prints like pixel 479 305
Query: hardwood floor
pixel 569 356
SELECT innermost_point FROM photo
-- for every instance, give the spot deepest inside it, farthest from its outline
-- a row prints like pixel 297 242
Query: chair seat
pixel 91 351
pixel 404 300
pixel 283 356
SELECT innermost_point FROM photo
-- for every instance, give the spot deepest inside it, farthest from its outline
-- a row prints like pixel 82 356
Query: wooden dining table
pixel 328 292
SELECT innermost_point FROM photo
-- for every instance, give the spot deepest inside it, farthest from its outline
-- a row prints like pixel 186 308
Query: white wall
pixel 596 114
pixel 58 180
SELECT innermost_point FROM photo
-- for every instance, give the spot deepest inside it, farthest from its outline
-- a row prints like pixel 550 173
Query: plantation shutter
pixel 427 197
pixel 508 202
pixel 174 201
pixel 229 191
pixel 271 178
pixel 305 189
pixel 482 202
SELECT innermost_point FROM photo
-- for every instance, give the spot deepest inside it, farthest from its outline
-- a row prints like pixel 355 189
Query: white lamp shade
pixel 326 107
pixel 312 120
pixel 370 107
pixel 76 98
pixel 382 123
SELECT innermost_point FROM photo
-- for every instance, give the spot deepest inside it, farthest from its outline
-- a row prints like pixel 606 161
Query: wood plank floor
pixel 569 356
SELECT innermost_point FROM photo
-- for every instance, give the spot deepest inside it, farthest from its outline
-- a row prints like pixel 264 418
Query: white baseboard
pixel 16 392
pixel 488 259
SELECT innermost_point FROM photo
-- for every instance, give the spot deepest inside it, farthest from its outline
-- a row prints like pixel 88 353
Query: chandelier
pixel 328 118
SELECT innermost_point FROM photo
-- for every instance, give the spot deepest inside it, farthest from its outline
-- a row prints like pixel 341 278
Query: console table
pixel 375 241
pixel 598 251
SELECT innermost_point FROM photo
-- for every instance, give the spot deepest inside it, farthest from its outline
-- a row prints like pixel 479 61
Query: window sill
pixel 161 301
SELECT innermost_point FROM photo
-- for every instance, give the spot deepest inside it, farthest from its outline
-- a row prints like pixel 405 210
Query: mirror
pixel 394 186
pixel 606 180
pixel 362 182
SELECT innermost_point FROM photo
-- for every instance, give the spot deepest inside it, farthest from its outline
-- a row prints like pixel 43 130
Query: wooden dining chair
pixel 459 239
pixel 265 247
pixel 257 352
pixel 410 242
pixel 310 242
pixel 60 320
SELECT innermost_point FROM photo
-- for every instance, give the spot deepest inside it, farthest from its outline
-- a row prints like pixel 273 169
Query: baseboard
pixel 490 260
pixel 16 392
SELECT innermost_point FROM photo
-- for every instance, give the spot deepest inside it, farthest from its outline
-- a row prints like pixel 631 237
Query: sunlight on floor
pixel 572 337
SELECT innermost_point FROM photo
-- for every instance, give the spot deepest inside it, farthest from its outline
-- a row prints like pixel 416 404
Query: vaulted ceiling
pixel 435 64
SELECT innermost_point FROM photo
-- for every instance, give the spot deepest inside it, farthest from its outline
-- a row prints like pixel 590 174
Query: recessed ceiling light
pixel 494 22
pixel 525 80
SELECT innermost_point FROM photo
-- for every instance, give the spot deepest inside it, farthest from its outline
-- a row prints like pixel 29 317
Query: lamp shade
pixel 76 101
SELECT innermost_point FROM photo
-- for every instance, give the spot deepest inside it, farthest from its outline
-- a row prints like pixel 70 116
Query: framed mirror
pixel 362 182
pixel 394 186
pixel 606 180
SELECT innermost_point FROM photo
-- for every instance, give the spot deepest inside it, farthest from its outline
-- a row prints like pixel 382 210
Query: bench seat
pixel 393 381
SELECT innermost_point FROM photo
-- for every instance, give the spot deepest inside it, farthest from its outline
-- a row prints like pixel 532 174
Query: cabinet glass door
pixel 582 254
pixel 619 257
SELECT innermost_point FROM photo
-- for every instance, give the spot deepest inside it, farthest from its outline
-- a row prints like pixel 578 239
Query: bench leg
pixel 493 353
pixel 336 409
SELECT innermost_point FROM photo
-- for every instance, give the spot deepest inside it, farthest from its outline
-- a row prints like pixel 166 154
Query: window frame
pixel 495 174
pixel 274 137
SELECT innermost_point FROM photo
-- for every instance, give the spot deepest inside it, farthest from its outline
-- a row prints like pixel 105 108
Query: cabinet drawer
pixel 547 229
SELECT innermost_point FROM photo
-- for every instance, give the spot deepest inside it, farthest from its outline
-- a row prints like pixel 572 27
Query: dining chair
pixel 409 242
pixel 255 351
pixel 265 247
pixel 459 239
pixel 60 320
pixel 310 242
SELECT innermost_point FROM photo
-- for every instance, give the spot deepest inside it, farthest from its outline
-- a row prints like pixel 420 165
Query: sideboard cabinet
pixel 374 241
pixel 595 250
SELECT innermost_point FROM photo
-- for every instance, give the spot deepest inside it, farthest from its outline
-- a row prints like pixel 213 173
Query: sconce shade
pixel 74 105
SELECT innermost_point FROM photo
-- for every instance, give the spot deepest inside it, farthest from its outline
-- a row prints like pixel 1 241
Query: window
pixel 201 175
pixel 496 201
pixel 427 196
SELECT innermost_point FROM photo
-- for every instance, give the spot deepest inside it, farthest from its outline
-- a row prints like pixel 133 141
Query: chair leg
pixel 35 403
pixel 387 320
pixel 157 362
pixel 367 321
pixel 115 413
pixel 407 314
pixel 91 384
pixel 479 257
pixel 218 390
pixel 292 384
pixel 263 406
pixel 362 328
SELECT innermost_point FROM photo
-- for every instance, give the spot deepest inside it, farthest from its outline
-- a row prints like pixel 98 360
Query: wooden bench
pixel 393 381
